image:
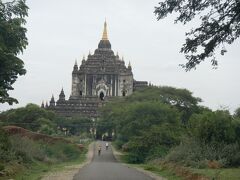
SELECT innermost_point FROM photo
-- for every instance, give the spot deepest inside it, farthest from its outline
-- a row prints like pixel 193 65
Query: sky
pixel 62 31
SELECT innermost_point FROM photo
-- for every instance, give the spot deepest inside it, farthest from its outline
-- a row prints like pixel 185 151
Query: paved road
pixel 105 167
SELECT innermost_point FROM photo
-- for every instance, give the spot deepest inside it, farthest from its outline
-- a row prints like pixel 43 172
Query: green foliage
pixel 194 153
pixel 119 143
pixel 236 124
pixel 31 117
pixel 219 26
pixel 157 152
pixel 167 124
pixel 26 150
pixel 37 119
pixel 149 122
pixel 213 136
pixel 13 41
pixel 135 157
pixel 61 152
pixel 1 167
pixel 213 127
pixel 145 104
pixel 5 146
pixel 182 99
pixel 46 129
pixel 76 125
pixel 237 113
pixel 154 142
pixel 141 116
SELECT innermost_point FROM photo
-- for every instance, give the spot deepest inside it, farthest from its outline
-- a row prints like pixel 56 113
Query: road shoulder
pixel 117 155
pixel 70 171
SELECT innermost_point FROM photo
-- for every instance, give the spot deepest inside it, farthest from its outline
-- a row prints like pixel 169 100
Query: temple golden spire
pixel 105 35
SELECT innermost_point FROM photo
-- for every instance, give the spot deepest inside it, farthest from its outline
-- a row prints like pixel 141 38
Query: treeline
pixel 169 125
pixel 37 119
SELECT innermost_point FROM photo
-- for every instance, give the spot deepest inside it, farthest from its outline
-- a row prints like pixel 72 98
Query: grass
pixel 159 171
pixel 30 159
pixel 78 139
pixel 38 169
pixel 220 174
pixel 166 173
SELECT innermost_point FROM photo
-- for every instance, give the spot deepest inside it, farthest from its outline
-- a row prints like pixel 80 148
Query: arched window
pixel 80 93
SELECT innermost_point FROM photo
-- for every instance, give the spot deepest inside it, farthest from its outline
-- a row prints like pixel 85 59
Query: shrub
pixel 62 151
pixel 155 142
pixel 216 127
pixel 5 146
pixel 26 149
pixel 46 129
pixel 157 152
pixel 1 167
pixel 119 143
pixel 30 117
pixel 198 154
pixel 133 158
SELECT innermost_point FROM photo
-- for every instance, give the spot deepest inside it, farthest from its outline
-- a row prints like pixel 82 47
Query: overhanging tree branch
pixel 220 25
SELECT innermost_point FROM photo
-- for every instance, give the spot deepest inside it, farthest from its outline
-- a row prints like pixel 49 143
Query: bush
pixel 157 152
pixel 193 153
pixel 216 127
pixel 1 167
pixel 119 144
pixel 26 150
pixel 5 146
pixel 134 158
pixel 155 142
pixel 46 129
pixel 62 152
pixel 30 117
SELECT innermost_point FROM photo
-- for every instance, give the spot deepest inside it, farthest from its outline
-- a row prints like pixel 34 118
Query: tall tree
pixel 13 41
pixel 220 25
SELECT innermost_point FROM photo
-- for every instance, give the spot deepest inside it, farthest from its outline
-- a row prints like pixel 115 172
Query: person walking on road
pixel 99 150
pixel 106 145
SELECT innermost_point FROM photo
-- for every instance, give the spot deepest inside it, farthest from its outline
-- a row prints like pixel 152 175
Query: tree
pixel 30 117
pixel 213 127
pixel 237 113
pixel 220 25
pixel 182 99
pixel 13 41
pixel 76 125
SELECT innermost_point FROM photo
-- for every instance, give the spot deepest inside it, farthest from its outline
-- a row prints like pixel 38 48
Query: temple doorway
pixel 101 96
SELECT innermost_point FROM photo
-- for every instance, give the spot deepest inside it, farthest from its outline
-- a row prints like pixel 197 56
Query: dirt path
pixel 70 171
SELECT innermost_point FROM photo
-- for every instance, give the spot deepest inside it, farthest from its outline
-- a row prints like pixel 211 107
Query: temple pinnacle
pixel 105 35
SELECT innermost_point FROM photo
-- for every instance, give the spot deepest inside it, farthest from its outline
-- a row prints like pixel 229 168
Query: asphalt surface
pixel 105 167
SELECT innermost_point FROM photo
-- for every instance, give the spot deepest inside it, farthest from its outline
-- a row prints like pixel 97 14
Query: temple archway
pixel 124 92
pixel 101 96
